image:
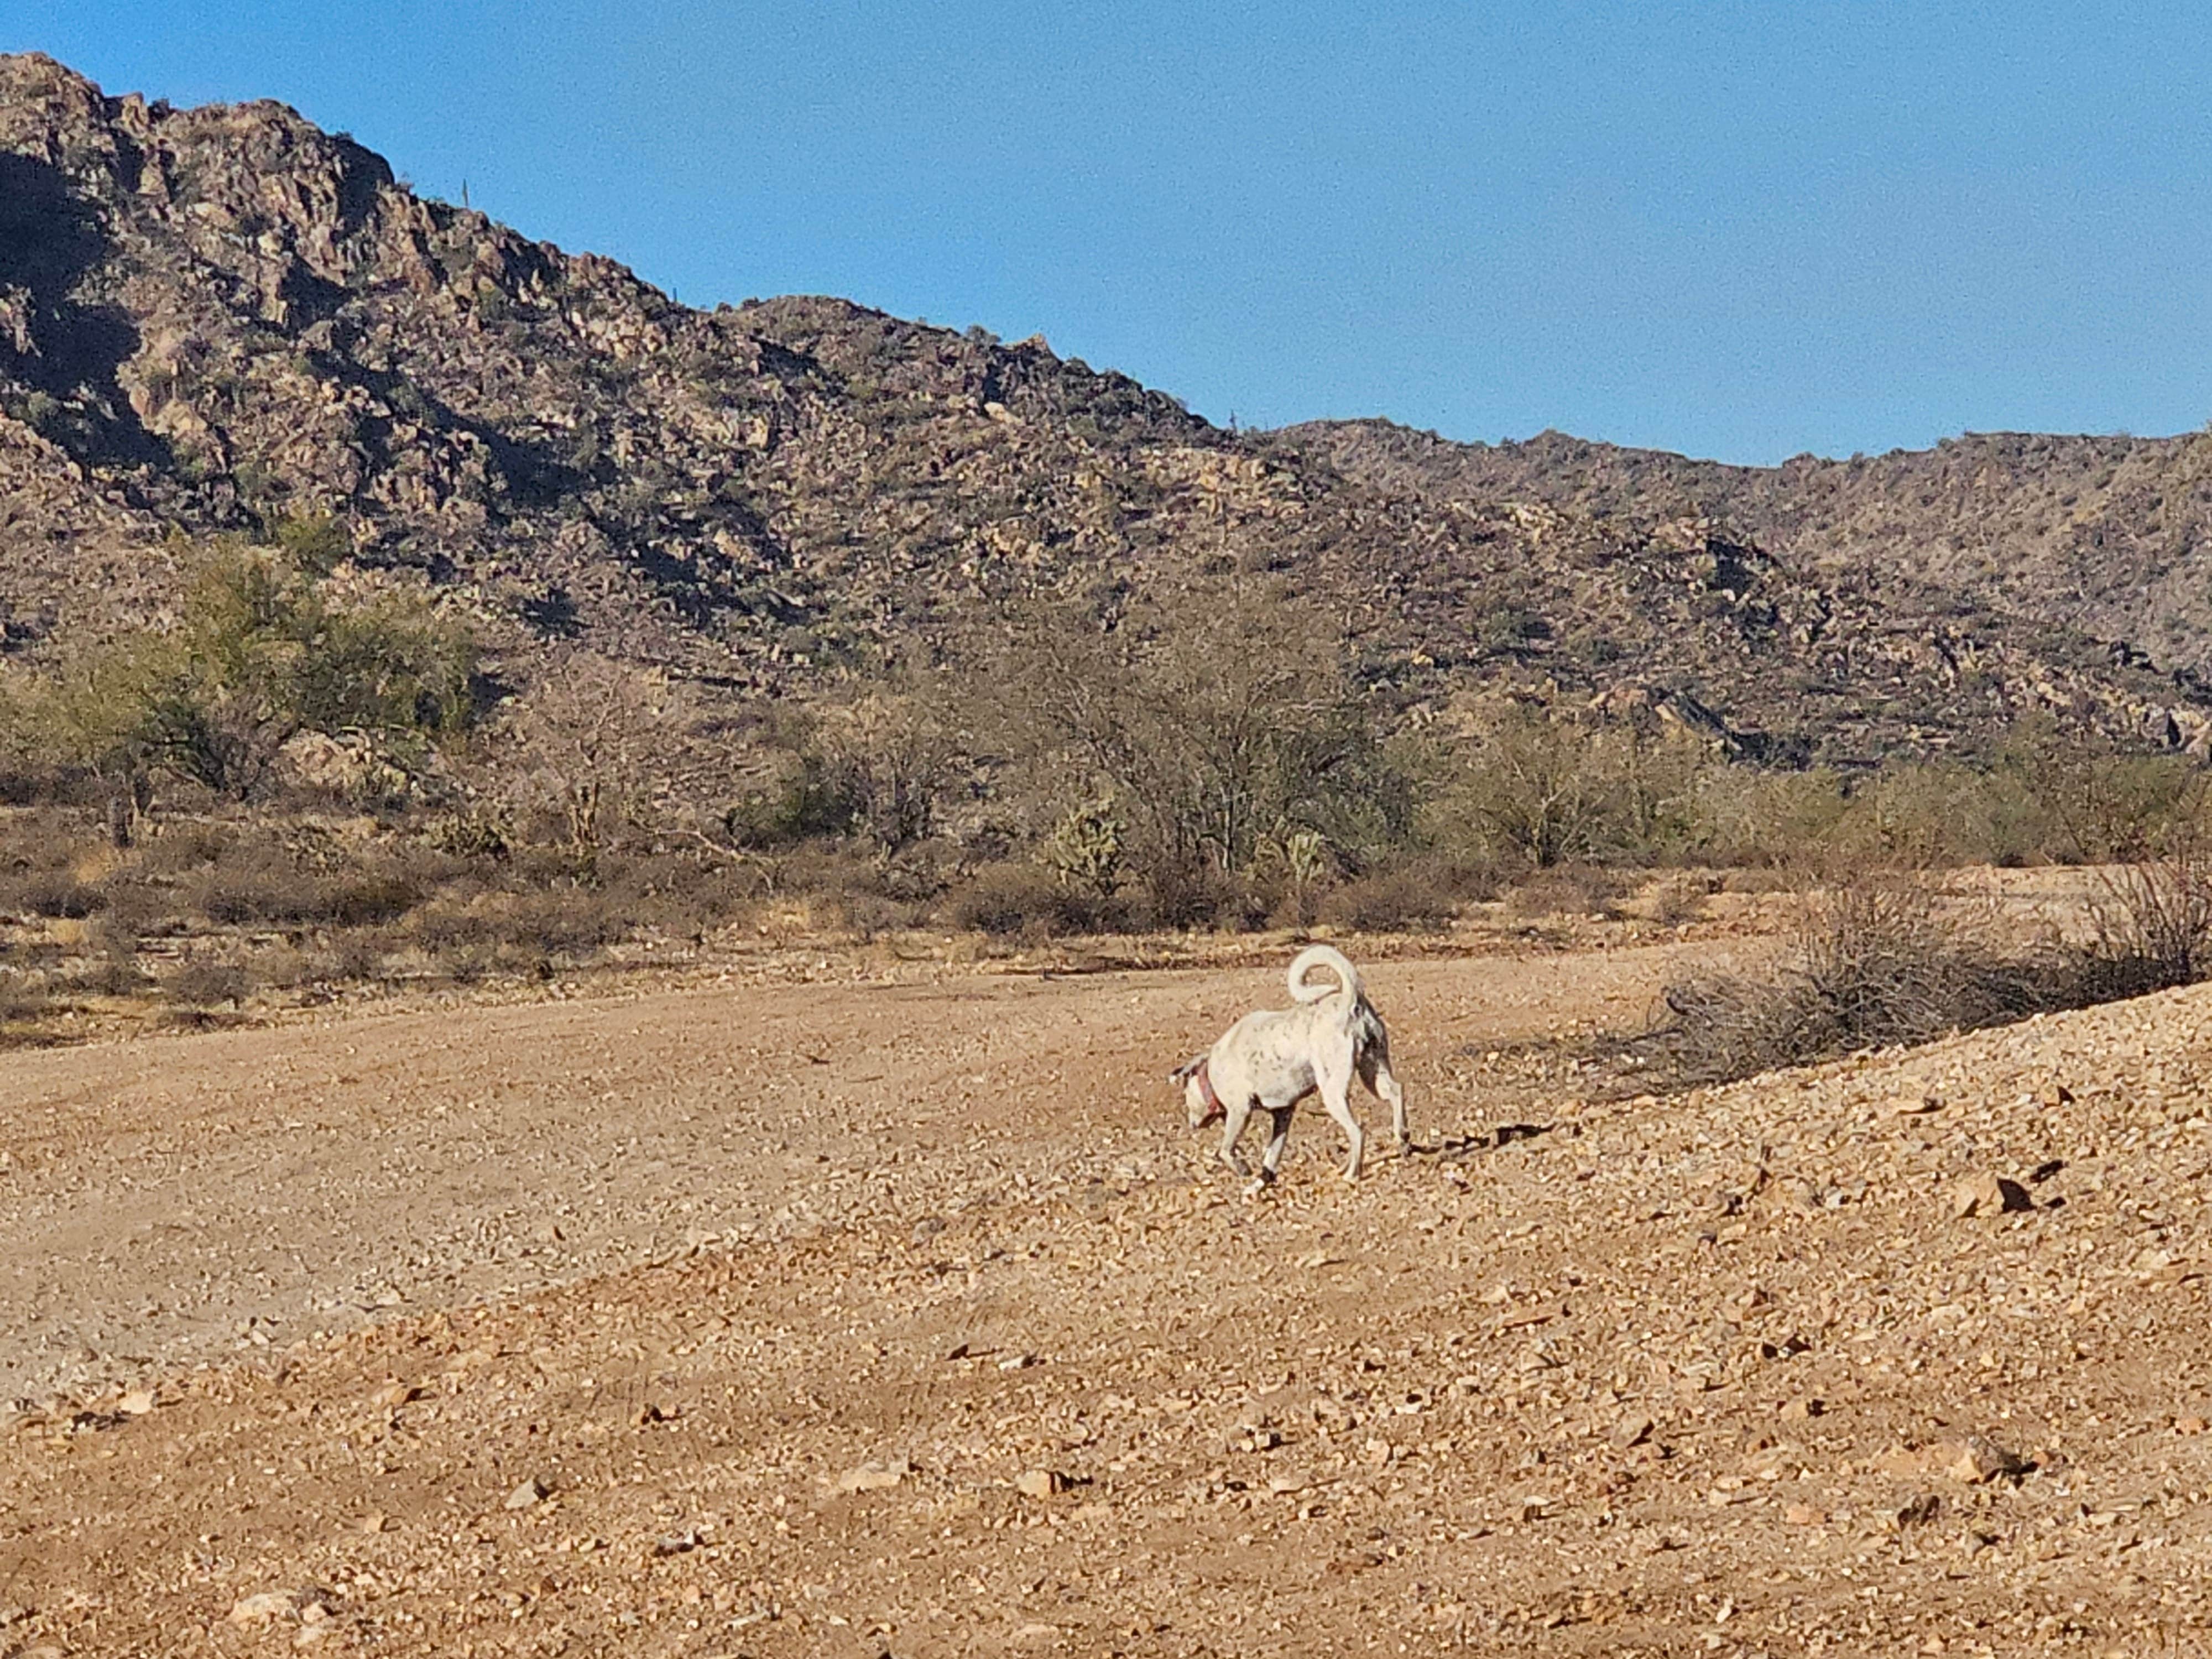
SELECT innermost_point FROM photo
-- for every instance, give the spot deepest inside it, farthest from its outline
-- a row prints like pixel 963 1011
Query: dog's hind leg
pixel 1336 1095
pixel 1375 1072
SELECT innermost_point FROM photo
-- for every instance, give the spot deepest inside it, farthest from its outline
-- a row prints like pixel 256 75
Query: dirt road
pixel 177 1199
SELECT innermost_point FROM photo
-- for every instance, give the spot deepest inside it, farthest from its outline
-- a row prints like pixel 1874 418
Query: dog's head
pixel 1200 1103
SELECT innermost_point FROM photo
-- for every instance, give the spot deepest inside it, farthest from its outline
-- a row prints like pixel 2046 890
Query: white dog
pixel 1272 1060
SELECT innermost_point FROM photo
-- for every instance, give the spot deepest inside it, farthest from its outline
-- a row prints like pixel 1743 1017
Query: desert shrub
pixel 114 969
pixel 563 921
pixel 58 893
pixel 566 920
pixel 1766 820
pixel 891 757
pixel 1085 849
pixel 358 898
pixel 1567 890
pixel 1870 964
pixel 1210 754
pixel 180 849
pixel 1411 898
pixel 24 998
pixel 253 880
pixel 867 915
pixel 806 803
pixel 1546 785
pixel 1679 899
pixel 318 544
pixel 207 984
pixel 1007 899
pixel 358 954
pixel 2098 806
pixel 259 654
pixel 261 887
pixel 446 923
pixel 473 832
pixel 1199 895
pixel 287 968
pixel 2150 925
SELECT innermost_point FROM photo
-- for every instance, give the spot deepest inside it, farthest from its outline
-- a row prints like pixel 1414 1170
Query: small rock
pixel 2189 1425
pixel 1803 1409
pixel 1017 1362
pixel 677 1543
pixel 1920 1511
pixel 1804 1515
pixel 874 1477
pixel 1987 1195
pixel 394 1394
pixel 1971 1459
pixel 1040 1483
pixel 375 1521
pixel 137 1403
pixel 532 1491
pixel 1631 1431
pixel 264 1608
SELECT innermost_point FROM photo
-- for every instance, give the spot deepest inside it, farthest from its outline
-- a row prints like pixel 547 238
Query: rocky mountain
pixel 2112 536
pixel 219 317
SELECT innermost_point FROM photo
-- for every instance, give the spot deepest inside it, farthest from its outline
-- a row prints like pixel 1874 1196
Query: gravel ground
pixel 910 1320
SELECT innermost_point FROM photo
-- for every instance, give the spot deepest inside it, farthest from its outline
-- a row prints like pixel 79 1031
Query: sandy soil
pixel 908 1319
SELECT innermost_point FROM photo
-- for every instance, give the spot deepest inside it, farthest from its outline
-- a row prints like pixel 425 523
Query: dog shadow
pixel 1458 1148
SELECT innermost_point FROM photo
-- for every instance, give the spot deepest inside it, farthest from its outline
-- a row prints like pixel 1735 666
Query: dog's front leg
pixel 1271 1159
pixel 1239 1114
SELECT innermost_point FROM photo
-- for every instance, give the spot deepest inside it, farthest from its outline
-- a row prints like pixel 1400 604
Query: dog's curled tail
pixel 1324 955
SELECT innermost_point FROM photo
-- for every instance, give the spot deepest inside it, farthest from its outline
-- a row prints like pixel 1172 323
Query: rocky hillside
pixel 216 318
pixel 2111 535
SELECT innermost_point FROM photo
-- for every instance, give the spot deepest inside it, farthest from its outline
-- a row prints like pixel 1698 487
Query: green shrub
pixel 258 655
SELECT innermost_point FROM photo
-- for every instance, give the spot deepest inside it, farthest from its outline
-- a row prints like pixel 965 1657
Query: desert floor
pixel 899 1313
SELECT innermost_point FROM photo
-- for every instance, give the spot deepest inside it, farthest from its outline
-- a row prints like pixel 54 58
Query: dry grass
pixel 1410 899
pixel 1871 965
pixel 2150 925
pixel 1566 889
pixel 1023 900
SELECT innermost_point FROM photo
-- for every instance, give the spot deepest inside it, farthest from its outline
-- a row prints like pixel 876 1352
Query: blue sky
pixel 1739 230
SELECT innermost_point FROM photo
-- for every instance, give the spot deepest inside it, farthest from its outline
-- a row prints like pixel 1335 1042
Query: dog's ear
pixel 1184 1073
